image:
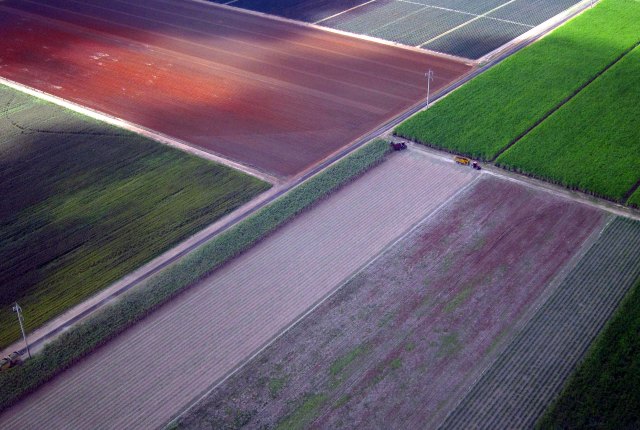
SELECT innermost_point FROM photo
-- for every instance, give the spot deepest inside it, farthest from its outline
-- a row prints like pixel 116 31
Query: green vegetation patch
pixel 603 393
pixel 84 203
pixel 304 414
pixel 79 341
pixel 487 114
pixel 592 143
pixel 457 300
pixel 634 200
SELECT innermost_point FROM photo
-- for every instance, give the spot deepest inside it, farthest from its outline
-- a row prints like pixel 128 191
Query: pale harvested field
pixel 148 374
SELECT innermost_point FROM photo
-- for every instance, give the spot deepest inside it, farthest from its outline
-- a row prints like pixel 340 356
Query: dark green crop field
pixel 592 143
pixel 495 109
pixel 84 203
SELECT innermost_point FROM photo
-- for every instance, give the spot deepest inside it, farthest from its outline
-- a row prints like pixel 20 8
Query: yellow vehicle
pixel 466 162
pixel 462 160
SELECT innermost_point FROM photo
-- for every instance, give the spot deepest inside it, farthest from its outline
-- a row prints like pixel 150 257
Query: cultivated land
pixel 85 203
pixel 603 392
pixel 397 346
pixel 466 28
pixel 208 330
pixel 592 143
pixel 530 372
pixel 494 110
pixel 272 95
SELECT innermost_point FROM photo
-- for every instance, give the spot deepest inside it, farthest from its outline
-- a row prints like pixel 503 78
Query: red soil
pixel 272 95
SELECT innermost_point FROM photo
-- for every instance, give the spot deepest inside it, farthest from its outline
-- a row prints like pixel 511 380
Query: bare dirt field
pixel 272 95
pixel 397 346
pixel 153 370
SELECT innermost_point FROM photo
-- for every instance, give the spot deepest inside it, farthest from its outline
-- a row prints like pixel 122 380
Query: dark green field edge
pixel 562 103
pixel 603 392
pixel 133 306
pixel 84 203
pixel 514 391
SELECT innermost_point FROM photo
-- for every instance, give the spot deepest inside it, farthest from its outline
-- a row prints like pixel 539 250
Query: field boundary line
pixel 462 60
pixel 467 22
pixel 564 102
pixel 340 13
pixel 140 130
pixel 313 307
pixel 553 284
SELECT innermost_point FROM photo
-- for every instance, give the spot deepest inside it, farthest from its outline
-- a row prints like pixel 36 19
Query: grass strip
pixel 493 110
pixel 79 341
pixel 603 392
pixel 592 143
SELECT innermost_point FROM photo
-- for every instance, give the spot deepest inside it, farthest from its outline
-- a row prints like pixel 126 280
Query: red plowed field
pixel 272 95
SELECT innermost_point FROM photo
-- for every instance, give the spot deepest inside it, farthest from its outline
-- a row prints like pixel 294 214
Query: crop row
pixel 486 115
pixel 477 38
pixel 593 142
pixel 532 12
pixel 83 338
pixel 514 390
pixel 85 203
pixel 603 393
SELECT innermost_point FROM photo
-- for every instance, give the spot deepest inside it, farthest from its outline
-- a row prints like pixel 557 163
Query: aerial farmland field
pixel 85 203
pixel 220 321
pixel 530 372
pixel 495 109
pixel 398 345
pixel 464 28
pixel 274 96
pixel 592 143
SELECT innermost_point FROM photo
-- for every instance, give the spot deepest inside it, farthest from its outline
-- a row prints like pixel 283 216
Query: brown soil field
pixel 398 346
pixel 153 370
pixel 272 95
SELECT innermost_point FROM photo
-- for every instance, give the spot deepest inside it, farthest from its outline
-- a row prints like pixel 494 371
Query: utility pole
pixel 17 309
pixel 429 76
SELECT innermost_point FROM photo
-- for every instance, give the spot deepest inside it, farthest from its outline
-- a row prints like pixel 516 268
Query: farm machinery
pixel 398 146
pixel 10 361
pixel 464 161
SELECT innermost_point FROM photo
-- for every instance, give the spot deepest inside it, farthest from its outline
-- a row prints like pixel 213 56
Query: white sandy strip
pixel 149 373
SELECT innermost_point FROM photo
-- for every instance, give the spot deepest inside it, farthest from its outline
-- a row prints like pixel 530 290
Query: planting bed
pixel 466 28
pixel 495 109
pixel 398 344
pixel 214 325
pixel 591 143
pixel 272 95
pixel 603 392
pixel 85 203
pixel 533 367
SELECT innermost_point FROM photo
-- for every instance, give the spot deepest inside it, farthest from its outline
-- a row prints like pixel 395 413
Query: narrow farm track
pixel 530 372
pixel 149 373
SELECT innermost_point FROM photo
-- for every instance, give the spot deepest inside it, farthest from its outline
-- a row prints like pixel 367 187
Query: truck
pixel 464 161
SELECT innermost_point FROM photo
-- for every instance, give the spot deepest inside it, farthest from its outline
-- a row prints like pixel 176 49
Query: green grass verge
pixel 494 109
pixel 133 306
pixel 84 203
pixel 603 393
pixel 592 143
pixel 634 200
